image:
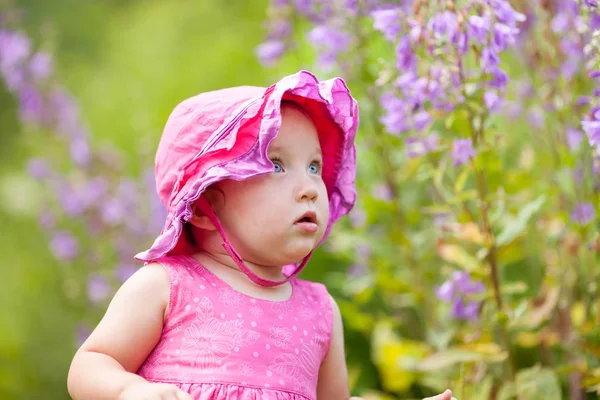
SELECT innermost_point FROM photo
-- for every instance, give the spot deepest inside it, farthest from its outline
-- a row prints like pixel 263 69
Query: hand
pixel 447 395
pixel 153 391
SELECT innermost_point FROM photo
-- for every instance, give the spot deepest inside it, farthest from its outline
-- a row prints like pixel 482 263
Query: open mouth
pixel 307 222
pixel 309 217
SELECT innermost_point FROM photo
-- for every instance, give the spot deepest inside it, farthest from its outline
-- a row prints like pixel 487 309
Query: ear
pixel 201 221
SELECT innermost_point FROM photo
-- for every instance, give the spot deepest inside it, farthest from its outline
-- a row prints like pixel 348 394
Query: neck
pixel 222 260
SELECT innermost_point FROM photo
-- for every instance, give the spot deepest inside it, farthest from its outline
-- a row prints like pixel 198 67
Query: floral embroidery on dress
pixel 256 311
pixel 306 313
pixel 281 335
pixel 229 297
pixel 281 307
pixel 210 341
pixel 298 368
pixel 246 369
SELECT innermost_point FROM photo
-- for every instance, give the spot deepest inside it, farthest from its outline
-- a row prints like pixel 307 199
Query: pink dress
pixel 220 344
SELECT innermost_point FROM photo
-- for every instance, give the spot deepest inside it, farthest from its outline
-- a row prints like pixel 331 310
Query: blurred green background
pixel 128 63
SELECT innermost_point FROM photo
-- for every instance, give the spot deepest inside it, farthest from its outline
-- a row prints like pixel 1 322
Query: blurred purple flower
pixel 15 48
pixel 574 138
pixel 395 120
pixel 40 66
pixel 455 290
pixel 388 22
pixel 382 191
pixel 329 42
pixel 269 52
pixel 492 100
pixel 445 291
pixel 416 147
pixel 592 129
pixel 478 27
pixel 38 168
pixel 583 213
pixel 64 246
pixel 462 151
pixel 536 117
pixel 80 151
pixel 406 59
pixel 591 3
pixel 505 13
pixel 468 312
pixel 31 105
pixel 444 25
pixel 113 211
pixel 421 120
pixel 98 288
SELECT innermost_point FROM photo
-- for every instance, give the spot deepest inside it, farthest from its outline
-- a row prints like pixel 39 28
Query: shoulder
pixel 149 285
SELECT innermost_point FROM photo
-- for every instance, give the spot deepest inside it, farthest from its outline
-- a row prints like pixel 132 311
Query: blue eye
pixel 277 166
pixel 314 168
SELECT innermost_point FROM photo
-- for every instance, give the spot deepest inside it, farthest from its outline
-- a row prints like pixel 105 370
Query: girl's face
pixel 278 218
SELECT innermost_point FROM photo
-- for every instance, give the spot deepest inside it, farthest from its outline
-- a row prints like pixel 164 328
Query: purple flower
pixel 279 29
pixel 592 129
pixel 583 213
pixel 40 66
pixel 504 35
pixel 416 147
pixel 269 52
pixel 478 27
pixel 594 74
pixel 468 312
pixel 38 168
pixel 492 100
pixel 98 288
pixel 422 120
pixel 456 290
pixel 406 60
pixel 489 58
pixel 444 25
pixel 574 138
pixel 536 117
pixel 445 291
pixel 330 42
pixel 388 22
pixel 462 151
pixel 591 3
pixel 395 121
pixel 14 48
pixel 505 13
pixel 113 211
pixel 80 151
pixel 31 105
pixel 64 246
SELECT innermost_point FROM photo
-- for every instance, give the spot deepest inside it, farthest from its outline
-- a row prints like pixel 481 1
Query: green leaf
pixel 459 256
pixel 538 384
pixel 459 185
pixel 447 358
pixel 515 226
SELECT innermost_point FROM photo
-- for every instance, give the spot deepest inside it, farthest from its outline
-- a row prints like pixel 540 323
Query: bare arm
pixel 106 363
pixel 333 374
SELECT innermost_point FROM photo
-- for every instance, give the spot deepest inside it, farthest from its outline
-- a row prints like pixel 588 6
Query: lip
pixel 307 222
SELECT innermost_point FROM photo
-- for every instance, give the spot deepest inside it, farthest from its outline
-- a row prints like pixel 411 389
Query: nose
pixel 307 189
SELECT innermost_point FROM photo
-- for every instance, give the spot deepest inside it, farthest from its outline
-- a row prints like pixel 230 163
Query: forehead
pixel 297 128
